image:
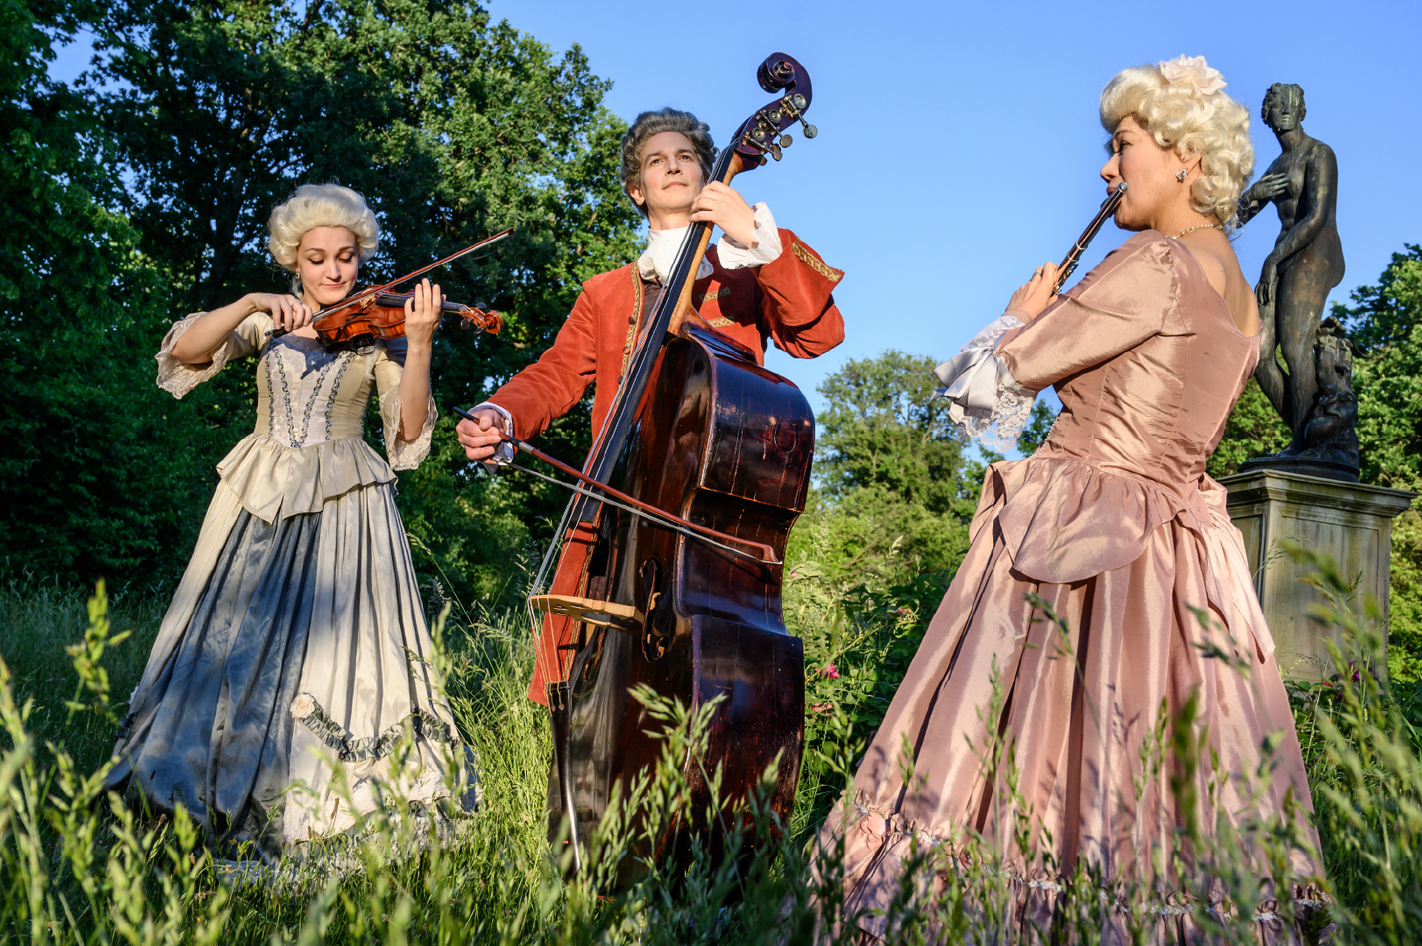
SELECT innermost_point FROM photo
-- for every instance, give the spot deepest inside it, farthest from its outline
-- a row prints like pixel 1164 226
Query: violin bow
pixel 376 290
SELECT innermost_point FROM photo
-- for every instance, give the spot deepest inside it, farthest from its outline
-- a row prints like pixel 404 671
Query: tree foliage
pixel 103 473
pixel 1388 380
pixel 1254 428
pixel 895 487
pixel 142 193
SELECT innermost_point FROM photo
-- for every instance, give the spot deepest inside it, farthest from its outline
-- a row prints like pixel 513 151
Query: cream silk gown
pixel 1115 526
pixel 297 637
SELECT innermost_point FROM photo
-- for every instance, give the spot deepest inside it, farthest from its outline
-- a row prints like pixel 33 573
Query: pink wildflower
pixel 829 671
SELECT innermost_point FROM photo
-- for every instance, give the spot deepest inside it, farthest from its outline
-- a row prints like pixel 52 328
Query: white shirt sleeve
pixel 504 452
pixel 736 255
pixel 986 403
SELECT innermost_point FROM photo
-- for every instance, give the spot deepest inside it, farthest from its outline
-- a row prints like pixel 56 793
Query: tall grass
pixel 78 867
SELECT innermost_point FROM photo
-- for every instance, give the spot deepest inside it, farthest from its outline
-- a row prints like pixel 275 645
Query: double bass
pixel 702 432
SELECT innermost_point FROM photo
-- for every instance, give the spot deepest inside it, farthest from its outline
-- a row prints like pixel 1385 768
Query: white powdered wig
pixel 321 205
pixel 1181 104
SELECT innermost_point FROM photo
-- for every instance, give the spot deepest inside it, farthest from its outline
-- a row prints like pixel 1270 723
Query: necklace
pixel 1202 226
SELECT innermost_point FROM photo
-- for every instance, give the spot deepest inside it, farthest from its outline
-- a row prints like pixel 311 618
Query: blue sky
pixel 959 144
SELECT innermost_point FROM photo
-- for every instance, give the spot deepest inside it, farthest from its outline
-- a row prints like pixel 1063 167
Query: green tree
pixel 895 487
pixel 1388 381
pixel 1254 428
pixel 452 126
pixel 104 474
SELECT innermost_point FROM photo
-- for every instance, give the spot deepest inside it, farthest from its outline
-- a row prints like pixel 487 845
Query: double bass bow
pixel 666 568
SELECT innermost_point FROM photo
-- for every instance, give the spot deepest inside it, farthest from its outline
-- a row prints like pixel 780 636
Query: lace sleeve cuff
pixel 178 377
pixel 406 454
pixel 986 403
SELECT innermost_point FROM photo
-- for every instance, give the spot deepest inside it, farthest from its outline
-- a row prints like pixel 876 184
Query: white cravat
pixel 663 245
pixel 656 261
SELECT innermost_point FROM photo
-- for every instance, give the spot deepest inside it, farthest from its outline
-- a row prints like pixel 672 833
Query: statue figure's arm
pixel 1257 197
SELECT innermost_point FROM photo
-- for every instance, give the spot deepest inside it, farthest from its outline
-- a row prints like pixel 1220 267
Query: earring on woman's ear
pixel 1181 174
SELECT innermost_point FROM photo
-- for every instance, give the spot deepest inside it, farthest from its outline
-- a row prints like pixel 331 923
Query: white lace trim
pixel 405 454
pixel 178 377
pixel 994 330
pixel 988 405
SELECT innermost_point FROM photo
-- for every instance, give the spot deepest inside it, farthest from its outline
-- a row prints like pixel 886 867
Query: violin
pixel 378 312
pixel 383 316
pixel 667 567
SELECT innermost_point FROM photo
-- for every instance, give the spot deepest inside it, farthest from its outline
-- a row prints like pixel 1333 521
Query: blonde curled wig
pixel 1180 103
pixel 321 205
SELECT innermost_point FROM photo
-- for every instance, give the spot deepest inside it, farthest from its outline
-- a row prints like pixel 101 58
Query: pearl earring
pixel 1181 174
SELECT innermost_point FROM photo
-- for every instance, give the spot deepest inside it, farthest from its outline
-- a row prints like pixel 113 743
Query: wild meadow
pixel 78 867
pixel 122 226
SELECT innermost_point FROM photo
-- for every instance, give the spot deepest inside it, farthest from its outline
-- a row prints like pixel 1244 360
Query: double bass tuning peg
pixel 794 107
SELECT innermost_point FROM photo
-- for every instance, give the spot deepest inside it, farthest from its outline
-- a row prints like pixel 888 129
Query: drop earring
pixel 1181 174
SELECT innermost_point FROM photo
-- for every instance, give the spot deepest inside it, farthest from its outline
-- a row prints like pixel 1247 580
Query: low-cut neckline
pixel 1229 313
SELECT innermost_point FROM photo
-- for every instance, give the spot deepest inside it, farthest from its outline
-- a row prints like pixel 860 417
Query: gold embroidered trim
pixel 810 260
pixel 720 323
pixel 718 294
pixel 632 323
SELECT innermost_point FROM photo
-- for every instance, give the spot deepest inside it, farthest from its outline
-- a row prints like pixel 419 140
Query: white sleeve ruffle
pixel 405 454
pixel 389 369
pixel 734 255
pixel 178 377
pixel 504 453
pixel 986 403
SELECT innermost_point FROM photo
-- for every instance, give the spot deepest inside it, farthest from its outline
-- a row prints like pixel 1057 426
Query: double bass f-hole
pixel 655 607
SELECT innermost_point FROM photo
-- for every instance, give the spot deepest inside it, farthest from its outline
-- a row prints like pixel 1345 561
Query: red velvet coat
pixel 788 301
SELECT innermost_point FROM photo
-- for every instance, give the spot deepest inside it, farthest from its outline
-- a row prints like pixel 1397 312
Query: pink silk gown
pixel 1115 525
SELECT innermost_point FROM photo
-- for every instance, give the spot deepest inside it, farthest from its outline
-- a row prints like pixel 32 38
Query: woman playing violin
pixel 296 639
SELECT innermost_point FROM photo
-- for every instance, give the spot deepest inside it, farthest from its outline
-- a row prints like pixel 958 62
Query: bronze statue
pixel 1305 264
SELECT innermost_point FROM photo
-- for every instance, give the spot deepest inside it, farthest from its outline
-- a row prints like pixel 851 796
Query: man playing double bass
pixel 760 282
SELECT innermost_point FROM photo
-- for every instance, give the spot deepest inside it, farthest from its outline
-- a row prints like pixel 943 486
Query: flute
pixel 1108 208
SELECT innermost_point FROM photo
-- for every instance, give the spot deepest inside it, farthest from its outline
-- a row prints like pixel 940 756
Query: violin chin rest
pixel 623 617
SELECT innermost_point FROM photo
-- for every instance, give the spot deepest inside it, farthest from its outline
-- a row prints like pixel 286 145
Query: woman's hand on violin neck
pixel 1035 294
pixel 480 437
pixel 288 312
pixel 719 204
pixel 422 311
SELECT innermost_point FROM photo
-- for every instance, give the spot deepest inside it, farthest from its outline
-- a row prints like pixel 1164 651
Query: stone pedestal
pixel 1349 521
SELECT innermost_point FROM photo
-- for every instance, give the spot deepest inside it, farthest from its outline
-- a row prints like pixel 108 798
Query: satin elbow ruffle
pixel 985 403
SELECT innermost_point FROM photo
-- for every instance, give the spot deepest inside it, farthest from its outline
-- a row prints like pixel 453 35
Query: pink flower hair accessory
pixel 1195 71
